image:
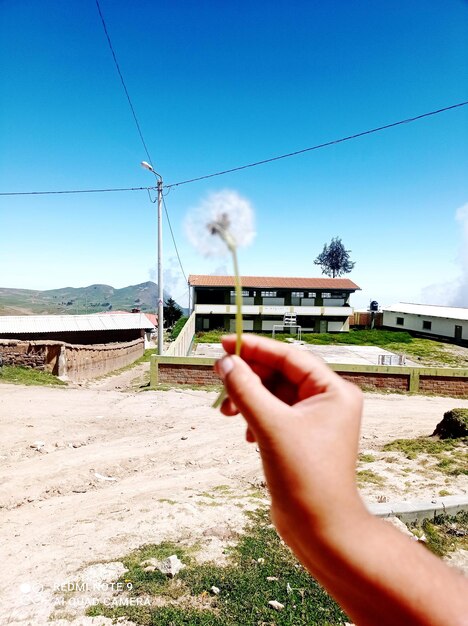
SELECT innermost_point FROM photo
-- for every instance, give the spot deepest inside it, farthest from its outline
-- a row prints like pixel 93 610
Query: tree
pixel 334 259
pixel 172 312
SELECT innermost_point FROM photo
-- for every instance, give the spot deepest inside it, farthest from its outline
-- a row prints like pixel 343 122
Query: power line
pixel 138 126
pixel 122 81
pixel 50 193
pixel 173 239
pixel 242 167
pixel 318 146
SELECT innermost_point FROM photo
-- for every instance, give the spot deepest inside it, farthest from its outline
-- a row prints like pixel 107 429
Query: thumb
pixel 259 406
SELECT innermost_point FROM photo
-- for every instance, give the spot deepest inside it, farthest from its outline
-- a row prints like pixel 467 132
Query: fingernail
pixel 224 366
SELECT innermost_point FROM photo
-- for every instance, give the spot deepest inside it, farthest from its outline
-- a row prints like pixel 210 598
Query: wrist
pixel 316 532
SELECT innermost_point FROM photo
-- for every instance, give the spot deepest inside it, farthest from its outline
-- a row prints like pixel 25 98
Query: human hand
pixel 305 419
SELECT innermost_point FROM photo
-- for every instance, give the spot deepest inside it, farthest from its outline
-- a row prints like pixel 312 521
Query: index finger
pixel 302 369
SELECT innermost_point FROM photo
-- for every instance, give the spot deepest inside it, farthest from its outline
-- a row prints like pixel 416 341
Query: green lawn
pixel 426 351
pixel 244 588
pixel 27 376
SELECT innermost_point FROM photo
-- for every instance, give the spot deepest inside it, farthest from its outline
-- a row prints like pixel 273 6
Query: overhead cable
pixel 50 193
pixel 138 126
pixel 122 80
pixel 242 167
pixel 173 239
pixel 318 146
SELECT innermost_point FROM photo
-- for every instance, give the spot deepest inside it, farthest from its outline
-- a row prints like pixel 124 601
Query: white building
pixel 429 320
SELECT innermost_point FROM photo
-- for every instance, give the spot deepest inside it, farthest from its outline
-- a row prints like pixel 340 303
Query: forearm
pixel 379 576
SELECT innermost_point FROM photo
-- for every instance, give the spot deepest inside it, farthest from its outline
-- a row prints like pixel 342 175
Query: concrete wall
pixel 441 381
pixel 412 322
pixel 182 344
pixel 75 362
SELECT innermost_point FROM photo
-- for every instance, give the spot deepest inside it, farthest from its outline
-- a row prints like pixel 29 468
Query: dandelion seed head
pixel 223 215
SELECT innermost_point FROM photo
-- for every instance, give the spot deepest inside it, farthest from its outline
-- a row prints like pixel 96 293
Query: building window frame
pixel 245 294
pixel 400 321
pixel 427 325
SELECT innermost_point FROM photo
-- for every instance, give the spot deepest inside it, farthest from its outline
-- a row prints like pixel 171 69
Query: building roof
pixel 272 282
pixel 430 310
pixel 151 316
pixel 20 324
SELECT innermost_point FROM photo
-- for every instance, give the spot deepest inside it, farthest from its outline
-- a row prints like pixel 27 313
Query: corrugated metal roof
pixel 431 310
pixel 18 324
pixel 270 282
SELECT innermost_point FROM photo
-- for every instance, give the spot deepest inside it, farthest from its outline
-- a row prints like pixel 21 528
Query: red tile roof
pixel 272 282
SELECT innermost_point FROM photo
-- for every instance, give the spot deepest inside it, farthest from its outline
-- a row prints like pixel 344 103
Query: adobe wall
pixel 25 353
pixel 74 362
pixel 96 360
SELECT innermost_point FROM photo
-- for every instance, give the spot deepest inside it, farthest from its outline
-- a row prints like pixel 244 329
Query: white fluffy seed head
pixel 222 216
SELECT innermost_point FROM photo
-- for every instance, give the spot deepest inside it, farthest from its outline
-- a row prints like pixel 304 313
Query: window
pixel 400 321
pixel 268 294
pixel 311 294
pixel 297 294
pixel 427 325
pixel 326 294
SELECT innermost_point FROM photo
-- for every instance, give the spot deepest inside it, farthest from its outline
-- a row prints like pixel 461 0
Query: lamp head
pixel 147 166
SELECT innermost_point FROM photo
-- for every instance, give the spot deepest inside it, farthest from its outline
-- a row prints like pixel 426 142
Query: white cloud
pixel 460 297
pixel 454 293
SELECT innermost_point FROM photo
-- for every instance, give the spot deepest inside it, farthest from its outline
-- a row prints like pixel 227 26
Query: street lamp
pixel 149 167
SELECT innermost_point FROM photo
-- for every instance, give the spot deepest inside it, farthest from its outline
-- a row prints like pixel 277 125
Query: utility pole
pixel 160 273
pixel 149 167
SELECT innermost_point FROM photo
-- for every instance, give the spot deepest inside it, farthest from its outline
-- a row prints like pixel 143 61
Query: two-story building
pixel 319 304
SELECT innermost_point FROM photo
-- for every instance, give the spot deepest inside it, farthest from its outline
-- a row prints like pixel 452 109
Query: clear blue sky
pixel 219 84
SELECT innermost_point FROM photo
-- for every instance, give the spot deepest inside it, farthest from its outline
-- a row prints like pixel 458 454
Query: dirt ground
pixel 90 472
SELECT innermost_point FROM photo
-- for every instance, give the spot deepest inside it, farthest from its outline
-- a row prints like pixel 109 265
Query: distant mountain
pixel 75 300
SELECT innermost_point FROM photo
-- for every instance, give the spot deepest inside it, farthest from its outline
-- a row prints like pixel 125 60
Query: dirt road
pixel 88 474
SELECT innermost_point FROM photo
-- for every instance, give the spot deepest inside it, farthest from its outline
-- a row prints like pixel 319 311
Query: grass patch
pixel 450 455
pixel 446 533
pixel 427 351
pixel 210 336
pixel 368 476
pixel 244 588
pixel 366 458
pixel 356 338
pixel 177 328
pixel 28 376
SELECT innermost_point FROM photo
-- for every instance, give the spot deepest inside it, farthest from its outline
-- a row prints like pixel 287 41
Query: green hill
pixel 78 300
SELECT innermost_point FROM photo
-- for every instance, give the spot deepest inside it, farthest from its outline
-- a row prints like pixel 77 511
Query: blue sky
pixel 220 84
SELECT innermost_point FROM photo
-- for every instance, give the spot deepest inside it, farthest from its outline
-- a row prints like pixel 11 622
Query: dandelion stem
pixel 238 302
pixel 238 287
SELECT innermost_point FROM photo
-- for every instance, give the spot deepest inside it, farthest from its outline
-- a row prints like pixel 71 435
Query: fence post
pixel 154 371
pixel 414 380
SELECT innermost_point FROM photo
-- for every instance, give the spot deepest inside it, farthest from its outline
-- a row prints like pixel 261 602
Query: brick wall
pixel 187 374
pixel 444 385
pixel 378 381
pixel 176 371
